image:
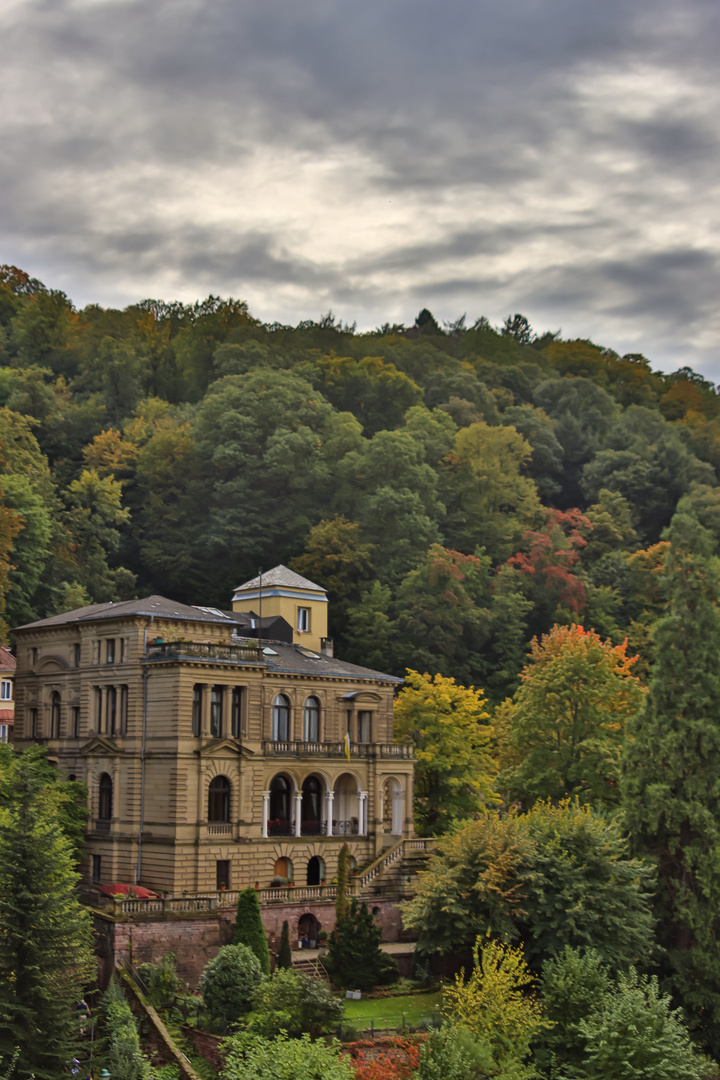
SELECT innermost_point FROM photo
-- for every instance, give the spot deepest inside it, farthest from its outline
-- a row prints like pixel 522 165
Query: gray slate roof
pixel 159 606
pixel 294 659
pixel 282 576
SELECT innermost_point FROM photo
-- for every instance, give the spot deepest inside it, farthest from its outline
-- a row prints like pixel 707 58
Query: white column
pixel 362 813
pixel 329 798
pixel 266 812
pixel 298 813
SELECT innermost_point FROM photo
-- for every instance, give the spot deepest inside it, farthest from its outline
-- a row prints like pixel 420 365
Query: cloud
pixel 556 158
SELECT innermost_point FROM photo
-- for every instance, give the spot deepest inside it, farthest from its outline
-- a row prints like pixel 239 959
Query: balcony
pixel 337 750
pixel 248 653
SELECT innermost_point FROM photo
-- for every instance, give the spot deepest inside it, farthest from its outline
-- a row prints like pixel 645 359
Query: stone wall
pixel 197 939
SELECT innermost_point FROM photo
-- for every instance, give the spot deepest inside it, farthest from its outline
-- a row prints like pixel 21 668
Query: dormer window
pixel 303 620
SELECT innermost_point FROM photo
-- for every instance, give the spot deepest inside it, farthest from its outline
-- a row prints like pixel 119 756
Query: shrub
pixel 296 1004
pixel 573 986
pixel 249 929
pixel 249 1058
pixel 454 1054
pixel 229 981
pixel 161 979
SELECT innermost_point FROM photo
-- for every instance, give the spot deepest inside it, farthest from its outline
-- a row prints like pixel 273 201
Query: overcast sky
pixel 554 157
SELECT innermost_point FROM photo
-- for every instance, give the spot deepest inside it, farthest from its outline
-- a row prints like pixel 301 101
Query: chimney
pixel 326 647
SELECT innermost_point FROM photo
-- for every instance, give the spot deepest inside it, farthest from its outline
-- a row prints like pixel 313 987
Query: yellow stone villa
pixel 221 749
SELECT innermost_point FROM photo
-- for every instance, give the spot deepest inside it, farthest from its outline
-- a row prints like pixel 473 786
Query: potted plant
pixel 322 939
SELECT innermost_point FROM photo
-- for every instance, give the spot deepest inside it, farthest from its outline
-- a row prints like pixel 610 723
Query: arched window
pixel 281 719
pixel 55 716
pixel 283 871
pixel 105 798
pixel 311 817
pixel 311 720
pixel 315 870
pixel 219 799
pixel 279 823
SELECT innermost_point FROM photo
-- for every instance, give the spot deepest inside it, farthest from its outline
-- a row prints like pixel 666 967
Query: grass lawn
pixel 388 1012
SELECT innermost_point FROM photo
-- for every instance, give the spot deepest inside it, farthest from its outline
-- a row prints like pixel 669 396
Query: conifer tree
pixel 45 935
pixel 284 959
pixel 249 929
pixel 671 788
pixel 342 902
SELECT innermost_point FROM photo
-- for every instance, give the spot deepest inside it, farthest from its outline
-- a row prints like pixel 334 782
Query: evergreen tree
pixel 45 935
pixel 671 785
pixel 342 903
pixel 249 929
pixel 354 957
pixel 284 959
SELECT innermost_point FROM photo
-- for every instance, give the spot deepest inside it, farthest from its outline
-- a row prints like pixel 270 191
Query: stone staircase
pixel 394 873
pixel 308 961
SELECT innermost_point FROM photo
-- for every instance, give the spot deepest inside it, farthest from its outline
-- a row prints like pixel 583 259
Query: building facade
pixel 215 756
pixel 7 694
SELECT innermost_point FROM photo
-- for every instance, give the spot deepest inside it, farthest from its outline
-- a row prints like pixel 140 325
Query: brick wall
pixel 197 940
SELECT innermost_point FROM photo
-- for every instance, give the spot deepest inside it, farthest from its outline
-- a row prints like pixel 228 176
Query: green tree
pixel 94 517
pixel 553 877
pixel 450 729
pixel 342 902
pixel 574 985
pixel 284 957
pixel 497 1005
pixel 669 783
pixel 229 981
pixel 637 1035
pixel 123 1054
pixel 249 929
pixel 354 957
pixel 563 732
pixel 46 955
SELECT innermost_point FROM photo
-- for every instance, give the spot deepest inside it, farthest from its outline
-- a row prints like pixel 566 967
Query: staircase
pixel 309 964
pixel 394 873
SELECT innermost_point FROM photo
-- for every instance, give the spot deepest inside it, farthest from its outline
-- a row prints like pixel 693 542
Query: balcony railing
pixel 337 749
pixel 203 650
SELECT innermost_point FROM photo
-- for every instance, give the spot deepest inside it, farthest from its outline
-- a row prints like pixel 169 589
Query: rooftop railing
pixel 337 749
pixel 247 653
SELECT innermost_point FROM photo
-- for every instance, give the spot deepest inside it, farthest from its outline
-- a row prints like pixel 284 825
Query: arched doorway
pixel 315 871
pixel 346 812
pixel 282 872
pixel 311 815
pixel 279 816
pixel 308 930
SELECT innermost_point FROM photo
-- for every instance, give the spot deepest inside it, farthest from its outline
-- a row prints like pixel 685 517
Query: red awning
pixel 137 891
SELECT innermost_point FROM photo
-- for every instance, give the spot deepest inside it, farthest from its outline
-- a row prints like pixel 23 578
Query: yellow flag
pixel 347 745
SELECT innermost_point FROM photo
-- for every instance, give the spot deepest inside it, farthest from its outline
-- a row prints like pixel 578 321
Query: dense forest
pixel 457 489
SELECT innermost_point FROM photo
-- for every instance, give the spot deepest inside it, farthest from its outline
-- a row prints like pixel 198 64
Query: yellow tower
pixel 283 592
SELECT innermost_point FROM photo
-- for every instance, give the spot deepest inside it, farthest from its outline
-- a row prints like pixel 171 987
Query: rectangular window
pixel 123 710
pixel 110 650
pixel 303 620
pixel 365 727
pixel 98 710
pixel 111 710
pixel 197 710
pixel 33 656
pixel 3 732
pixel 6 690
pixel 33 723
pixel 222 874
pixel 122 650
pixel 96 869
pixel 76 653
pixel 216 707
pixel 236 713
pixel 76 721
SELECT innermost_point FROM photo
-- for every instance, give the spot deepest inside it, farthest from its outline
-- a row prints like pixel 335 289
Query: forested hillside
pixel 457 489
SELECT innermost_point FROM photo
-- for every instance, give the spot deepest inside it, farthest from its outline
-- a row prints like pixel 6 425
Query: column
pixel 298 813
pixel 329 799
pixel 265 813
pixel 362 813
pixel 226 711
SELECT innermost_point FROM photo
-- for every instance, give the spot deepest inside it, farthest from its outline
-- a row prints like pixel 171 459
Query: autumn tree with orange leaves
pixel 562 732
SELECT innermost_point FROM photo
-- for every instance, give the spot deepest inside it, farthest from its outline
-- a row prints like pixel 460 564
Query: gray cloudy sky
pixel 555 157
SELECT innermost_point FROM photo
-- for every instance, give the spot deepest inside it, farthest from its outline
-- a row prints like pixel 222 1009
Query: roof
pixel 297 660
pixel 281 576
pixel 157 606
pixel 8 663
